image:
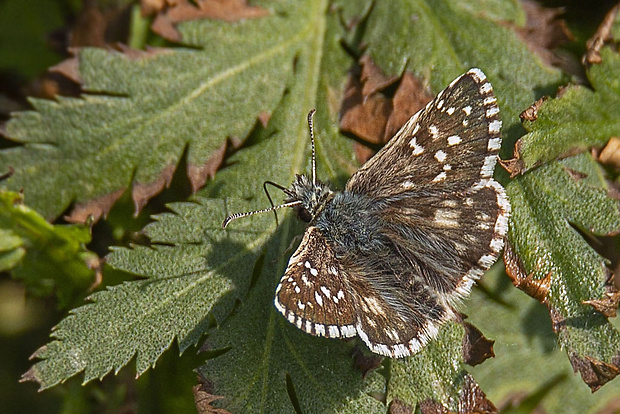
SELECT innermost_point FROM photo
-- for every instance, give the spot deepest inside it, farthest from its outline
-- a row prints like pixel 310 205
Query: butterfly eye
pixel 303 214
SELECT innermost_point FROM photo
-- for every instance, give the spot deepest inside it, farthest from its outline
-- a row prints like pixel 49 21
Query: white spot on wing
pixel 450 110
pixel 467 110
pixel 326 292
pixel 318 298
pixel 477 74
pixel 454 140
pixel 494 144
pixel 314 272
pixel 486 88
pixel 441 176
pixel 492 111
pixel 417 149
pixel 495 126
pixel 489 100
pixel 440 156
pixel 447 218
pixel 433 131
pixel 489 165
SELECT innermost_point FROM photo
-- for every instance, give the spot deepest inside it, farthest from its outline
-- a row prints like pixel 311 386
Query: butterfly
pixel 389 258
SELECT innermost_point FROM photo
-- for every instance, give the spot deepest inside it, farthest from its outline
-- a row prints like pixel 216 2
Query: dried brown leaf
pixel 476 348
pixel 531 113
pixel 203 398
pixel 610 155
pixel 184 10
pixel 595 373
pixel 373 78
pixel 601 37
pixel 473 400
pixel 410 97
pixel 370 113
pixel 544 31
pixel 608 304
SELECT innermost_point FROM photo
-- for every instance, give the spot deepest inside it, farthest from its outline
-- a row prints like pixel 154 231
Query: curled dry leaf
pixel 471 400
pixel 184 10
pixel 608 304
pixel 370 113
pixel 610 155
pixel 531 113
pixel 594 372
pixel 203 398
pixel 373 78
pixel 602 36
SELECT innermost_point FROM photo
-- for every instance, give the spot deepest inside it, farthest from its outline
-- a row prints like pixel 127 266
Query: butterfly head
pixel 307 195
pixel 310 197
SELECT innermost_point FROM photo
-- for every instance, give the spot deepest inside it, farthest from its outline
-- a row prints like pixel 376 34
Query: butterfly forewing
pixel 314 293
pixel 451 144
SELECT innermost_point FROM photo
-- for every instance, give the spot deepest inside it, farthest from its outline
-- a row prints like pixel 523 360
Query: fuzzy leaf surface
pixel 550 204
pixel 259 362
pixel 581 118
pixel 142 110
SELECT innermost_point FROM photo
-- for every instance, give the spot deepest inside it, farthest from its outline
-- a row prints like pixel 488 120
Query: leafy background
pixel 133 123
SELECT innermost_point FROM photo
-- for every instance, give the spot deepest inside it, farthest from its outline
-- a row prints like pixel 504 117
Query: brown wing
pixel 314 293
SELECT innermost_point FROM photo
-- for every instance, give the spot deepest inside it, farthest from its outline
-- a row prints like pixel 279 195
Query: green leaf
pixel 439 40
pixel 49 259
pixel 192 270
pixel 530 371
pixel 579 119
pixel 142 110
pixel 258 361
pixel 549 205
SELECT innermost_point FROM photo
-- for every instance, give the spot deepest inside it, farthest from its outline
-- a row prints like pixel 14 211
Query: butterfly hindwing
pixel 314 294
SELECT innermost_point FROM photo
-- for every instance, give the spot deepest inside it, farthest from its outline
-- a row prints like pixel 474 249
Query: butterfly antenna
pixel 251 213
pixel 279 187
pixel 311 128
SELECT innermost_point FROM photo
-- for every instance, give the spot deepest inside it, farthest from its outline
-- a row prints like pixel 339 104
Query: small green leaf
pixel 549 205
pixel 579 119
pixel 49 259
